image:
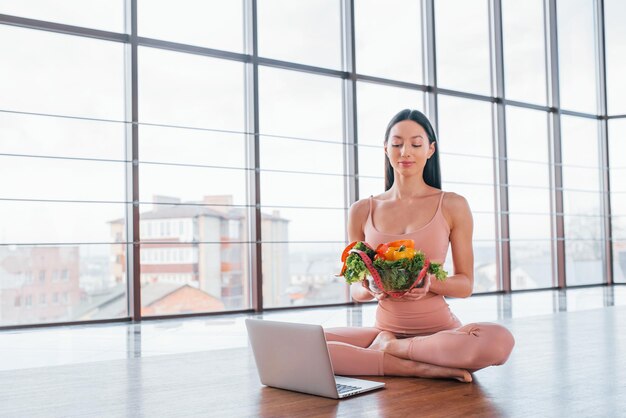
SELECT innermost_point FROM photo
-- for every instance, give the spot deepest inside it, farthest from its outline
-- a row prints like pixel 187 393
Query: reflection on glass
pixel 583 227
pixel 214 23
pixel 527 152
pixel 481 202
pixel 211 222
pixel 190 90
pixel 582 210
pixel 580 143
pixel 485 267
pixel 619 261
pixel 484 226
pixel 577 54
pixel 531 264
pixel 302 274
pixel 178 278
pixel 197 185
pixel 529 227
pixel 377 104
pixel 524 51
pixel 191 146
pixel 581 178
pixel 528 159
pixel 304 224
pixel 462 34
pixel 370 186
pixel 44 178
pixel 308 190
pixel 51 73
pixel 619 227
pixel 618 203
pixel 300 105
pixel 61 137
pixel 388 43
pixel 301 155
pixel 617 143
pixel 583 262
pixel 528 174
pixel 465 127
pixel 527 135
pixel 529 200
pixel 618 179
pixel 61 283
pixel 371 160
pixel 95 14
pixel 617 164
pixel 306 32
pixel 615 51
pixel 582 203
pixel 454 168
pixel 28 222
pixel 480 197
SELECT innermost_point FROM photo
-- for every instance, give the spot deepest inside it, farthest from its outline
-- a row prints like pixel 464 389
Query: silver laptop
pixel 295 357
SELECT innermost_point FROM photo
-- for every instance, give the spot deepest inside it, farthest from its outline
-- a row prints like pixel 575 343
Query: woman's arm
pixel 356 219
pixel 459 216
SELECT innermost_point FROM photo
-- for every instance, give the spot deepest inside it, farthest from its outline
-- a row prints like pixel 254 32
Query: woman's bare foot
pixel 381 340
pixel 394 366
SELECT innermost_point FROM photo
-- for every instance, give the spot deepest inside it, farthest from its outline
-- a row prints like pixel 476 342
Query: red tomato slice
pixel 382 249
pixel 346 251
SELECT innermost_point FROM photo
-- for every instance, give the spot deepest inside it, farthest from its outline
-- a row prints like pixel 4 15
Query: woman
pixel 417 335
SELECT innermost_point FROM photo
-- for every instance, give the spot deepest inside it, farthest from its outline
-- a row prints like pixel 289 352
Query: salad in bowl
pixel 394 267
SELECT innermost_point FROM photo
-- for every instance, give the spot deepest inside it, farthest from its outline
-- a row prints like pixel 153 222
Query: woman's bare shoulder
pixel 454 201
pixel 455 207
pixel 360 208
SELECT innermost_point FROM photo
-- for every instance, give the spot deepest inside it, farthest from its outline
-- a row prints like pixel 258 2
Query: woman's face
pixel 408 147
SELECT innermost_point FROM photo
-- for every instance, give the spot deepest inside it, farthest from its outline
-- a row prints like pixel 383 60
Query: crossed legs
pixel 357 351
pixel 446 354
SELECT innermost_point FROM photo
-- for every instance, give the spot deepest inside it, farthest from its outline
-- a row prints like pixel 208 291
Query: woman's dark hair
pixel 432 171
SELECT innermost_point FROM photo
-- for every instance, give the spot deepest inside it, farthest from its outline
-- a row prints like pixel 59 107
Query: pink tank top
pixel 431 313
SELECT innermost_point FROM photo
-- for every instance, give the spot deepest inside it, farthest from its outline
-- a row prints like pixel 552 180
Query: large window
pixel 96 14
pixel 530 211
pixel 462 34
pixel 241 132
pixel 617 162
pixel 578 66
pixel 208 23
pixel 524 50
pixel 467 167
pixel 377 27
pixel 306 32
pixel 615 34
pixel 582 201
pixel 63 165
pixel 302 187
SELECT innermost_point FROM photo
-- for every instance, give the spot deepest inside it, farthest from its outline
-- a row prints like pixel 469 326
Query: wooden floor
pixel 570 364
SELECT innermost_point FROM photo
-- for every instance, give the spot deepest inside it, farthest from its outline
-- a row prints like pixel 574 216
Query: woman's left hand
pixel 417 292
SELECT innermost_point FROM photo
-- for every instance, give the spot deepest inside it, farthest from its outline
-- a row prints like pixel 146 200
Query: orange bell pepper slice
pixel 408 243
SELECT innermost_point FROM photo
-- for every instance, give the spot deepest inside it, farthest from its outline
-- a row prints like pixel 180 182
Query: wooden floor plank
pixel 564 365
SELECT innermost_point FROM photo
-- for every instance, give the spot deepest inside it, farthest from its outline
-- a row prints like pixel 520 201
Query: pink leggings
pixel 470 347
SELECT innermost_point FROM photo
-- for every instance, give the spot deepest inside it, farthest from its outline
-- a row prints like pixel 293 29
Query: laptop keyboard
pixel 341 389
